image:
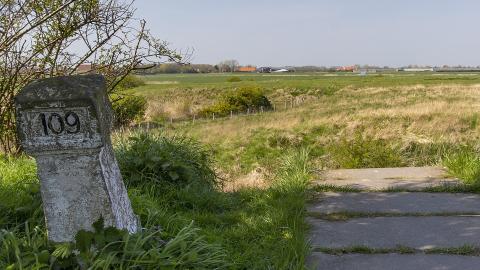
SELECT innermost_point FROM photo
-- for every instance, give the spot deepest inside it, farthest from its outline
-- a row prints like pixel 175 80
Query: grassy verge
pixel 465 165
pixel 465 250
pixel 189 223
pixel 344 216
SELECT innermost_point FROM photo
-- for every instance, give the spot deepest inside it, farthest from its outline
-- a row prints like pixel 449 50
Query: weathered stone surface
pixel 389 232
pixel 321 261
pixel 398 202
pixel 65 124
pixel 410 178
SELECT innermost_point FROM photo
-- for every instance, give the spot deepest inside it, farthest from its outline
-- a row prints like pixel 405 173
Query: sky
pixel 319 32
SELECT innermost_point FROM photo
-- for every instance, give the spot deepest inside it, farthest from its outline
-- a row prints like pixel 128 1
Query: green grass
pixel 304 81
pixel 464 164
pixel 344 216
pixel 201 226
pixel 366 250
pixel 346 120
pixel 463 250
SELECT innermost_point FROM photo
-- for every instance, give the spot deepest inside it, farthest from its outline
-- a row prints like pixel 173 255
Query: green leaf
pixel 62 251
pixel 84 240
pixel 44 256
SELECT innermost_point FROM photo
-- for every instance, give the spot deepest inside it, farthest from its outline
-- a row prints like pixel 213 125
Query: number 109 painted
pixel 55 123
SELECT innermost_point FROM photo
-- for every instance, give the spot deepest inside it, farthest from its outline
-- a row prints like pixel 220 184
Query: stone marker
pixel 65 123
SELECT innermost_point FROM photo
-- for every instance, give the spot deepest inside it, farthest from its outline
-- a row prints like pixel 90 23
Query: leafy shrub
pixel 234 79
pixel 128 109
pixel 110 248
pixel 364 152
pixel 157 161
pixel 129 82
pixel 239 101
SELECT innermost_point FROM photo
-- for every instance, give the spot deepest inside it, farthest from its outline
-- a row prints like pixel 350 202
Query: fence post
pixel 213 116
pixel 231 114
pixel 194 118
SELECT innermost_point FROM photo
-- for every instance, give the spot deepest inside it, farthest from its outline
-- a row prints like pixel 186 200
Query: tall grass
pixel 19 192
pixel 189 222
pixel 464 164
pixel 110 249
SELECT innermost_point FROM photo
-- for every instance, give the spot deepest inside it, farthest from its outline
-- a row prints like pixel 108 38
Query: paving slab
pixel 408 178
pixel 389 232
pixel 397 203
pixel 321 261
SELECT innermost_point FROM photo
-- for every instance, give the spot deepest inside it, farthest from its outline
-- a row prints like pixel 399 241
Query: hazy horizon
pixel 319 33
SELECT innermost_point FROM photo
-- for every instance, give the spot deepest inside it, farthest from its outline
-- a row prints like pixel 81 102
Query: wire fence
pixel 250 111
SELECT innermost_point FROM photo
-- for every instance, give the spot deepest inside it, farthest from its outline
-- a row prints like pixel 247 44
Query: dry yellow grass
pixel 420 114
pixel 408 113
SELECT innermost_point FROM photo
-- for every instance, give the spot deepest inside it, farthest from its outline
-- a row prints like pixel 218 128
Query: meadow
pixel 229 192
pixel 346 120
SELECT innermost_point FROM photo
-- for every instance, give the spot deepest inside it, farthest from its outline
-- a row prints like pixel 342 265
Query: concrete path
pixel 397 202
pixel 389 232
pixel 371 229
pixel 393 262
pixel 410 178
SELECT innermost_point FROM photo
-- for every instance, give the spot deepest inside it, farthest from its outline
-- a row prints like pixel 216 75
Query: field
pixel 229 191
pixel 345 120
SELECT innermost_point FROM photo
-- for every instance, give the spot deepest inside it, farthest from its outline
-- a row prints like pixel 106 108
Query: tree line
pixel 40 39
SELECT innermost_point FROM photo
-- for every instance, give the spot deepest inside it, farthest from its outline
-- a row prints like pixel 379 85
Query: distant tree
pixel 228 65
pixel 203 68
pixel 41 39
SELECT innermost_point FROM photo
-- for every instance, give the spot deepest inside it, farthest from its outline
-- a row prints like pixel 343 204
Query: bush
pixel 129 82
pixel 239 101
pixel 155 161
pixel 234 79
pixel 364 152
pixel 128 109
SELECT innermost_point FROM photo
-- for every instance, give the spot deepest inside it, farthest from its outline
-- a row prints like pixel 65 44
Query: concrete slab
pixel 321 261
pixel 389 232
pixel 401 202
pixel 409 178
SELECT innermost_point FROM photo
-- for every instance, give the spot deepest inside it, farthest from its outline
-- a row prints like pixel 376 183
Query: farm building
pixel 346 68
pixel 84 68
pixel 247 69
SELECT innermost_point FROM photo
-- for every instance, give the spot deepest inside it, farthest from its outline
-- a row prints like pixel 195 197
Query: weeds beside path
pixel 189 223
